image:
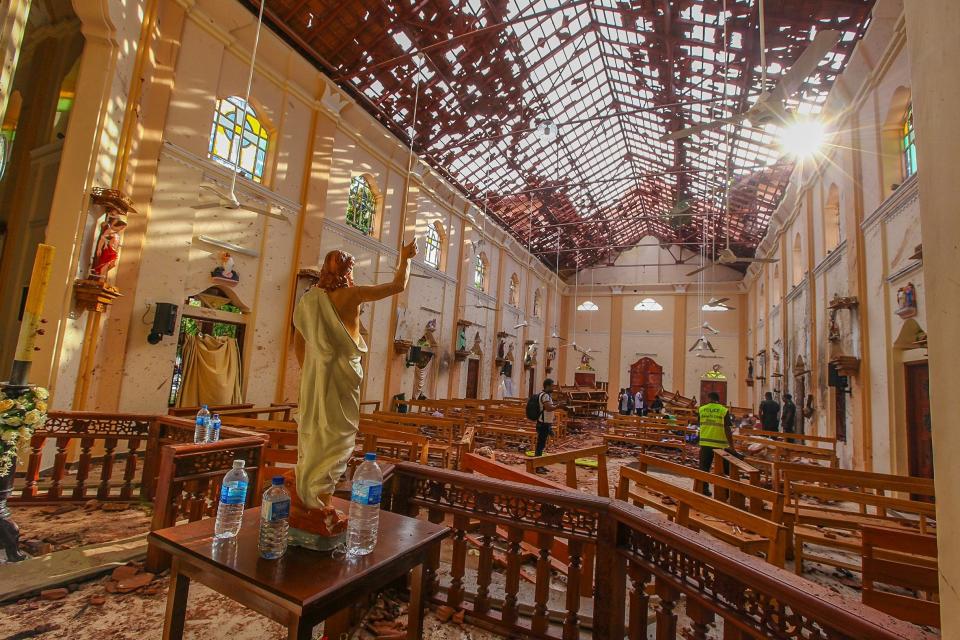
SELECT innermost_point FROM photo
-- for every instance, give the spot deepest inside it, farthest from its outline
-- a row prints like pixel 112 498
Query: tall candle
pixel 39 280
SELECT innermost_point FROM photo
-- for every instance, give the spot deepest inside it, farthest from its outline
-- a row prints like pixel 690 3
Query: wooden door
pixel 473 377
pixel 720 386
pixel 532 381
pixel 919 437
pixel 646 374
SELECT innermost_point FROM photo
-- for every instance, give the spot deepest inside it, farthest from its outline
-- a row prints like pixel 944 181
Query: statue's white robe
pixel 329 410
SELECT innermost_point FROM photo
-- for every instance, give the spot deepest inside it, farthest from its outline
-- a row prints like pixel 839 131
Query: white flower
pixel 41 393
pixel 32 417
pixel 9 437
pixel 13 421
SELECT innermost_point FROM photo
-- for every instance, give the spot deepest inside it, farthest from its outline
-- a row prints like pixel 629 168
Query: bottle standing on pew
pixel 233 495
pixel 203 424
pixel 274 520
pixel 364 507
pixel 213 431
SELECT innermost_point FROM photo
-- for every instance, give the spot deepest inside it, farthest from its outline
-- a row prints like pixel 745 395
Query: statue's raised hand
pixel 409 250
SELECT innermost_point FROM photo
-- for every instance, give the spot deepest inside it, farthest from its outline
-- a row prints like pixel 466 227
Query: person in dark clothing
pixel 716 432
pixel 546 419
pixel 788 416
pixel 770 413
pixel 657 405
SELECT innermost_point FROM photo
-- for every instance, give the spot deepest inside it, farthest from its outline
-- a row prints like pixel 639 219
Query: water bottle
pixel 274 520
pixel 213 431
pixel 364 507
pixel 233 495
pixel 203 423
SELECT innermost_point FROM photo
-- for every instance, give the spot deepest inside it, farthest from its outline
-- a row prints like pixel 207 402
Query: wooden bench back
pixel 375 432
pixel 785 450
pixel 569 460
pixel 906 560
pixel 756 497
pixel 686 500
pixel 796 438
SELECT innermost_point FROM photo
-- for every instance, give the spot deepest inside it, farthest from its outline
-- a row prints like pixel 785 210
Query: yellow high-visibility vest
pixel 712 433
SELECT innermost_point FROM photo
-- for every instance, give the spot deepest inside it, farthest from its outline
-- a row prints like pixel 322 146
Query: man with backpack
pixel 540 407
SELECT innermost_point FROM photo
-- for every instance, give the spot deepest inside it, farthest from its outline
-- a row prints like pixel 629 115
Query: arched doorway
pixel 647 375
pixel 713 380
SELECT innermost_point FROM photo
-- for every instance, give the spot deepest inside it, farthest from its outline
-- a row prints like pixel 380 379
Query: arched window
pixel 361 205
pixel 242 147
pixel 537 303
pixel 908 145
pixel 831 219
pixel 797 260
pixel 434 243
pixel 480 267
pixel 648 304
pixel 775 286
pixel 588 305
pixel 513 295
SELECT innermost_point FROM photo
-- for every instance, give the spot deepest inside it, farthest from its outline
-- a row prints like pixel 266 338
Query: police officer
pixel 715 432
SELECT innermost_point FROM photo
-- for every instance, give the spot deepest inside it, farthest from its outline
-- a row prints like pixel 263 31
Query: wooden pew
pixel 189 412
pixel 446 435
pixel 787 451
pixel 908 561
pixel 646 444
pixel 750 532
pixel 812 524
pixel 797 438
pixel 569 458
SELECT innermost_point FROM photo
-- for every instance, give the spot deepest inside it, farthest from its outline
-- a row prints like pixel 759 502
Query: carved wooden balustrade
pixel 93 439
pixel 637 553
pixel 189 479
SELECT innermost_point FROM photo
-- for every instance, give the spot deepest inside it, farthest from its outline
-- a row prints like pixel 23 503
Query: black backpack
pixel 533 407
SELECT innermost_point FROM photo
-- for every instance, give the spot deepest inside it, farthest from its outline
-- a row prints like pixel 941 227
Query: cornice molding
pixel 833 258
pixel 905 271
pixel 895 204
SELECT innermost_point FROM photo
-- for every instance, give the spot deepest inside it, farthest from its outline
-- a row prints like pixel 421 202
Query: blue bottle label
pixel 275 511
pixel 366 494
pixel 233 492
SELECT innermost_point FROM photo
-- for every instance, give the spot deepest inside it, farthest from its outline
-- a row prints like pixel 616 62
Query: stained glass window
pixel 908 145
pixel 240 147
pixel 480 272
pixel 513 295
pixel 361 205
pixel 648 304
pixel 432 250
pixel 537 303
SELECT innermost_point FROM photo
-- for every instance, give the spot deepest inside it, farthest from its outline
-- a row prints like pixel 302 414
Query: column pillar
pixel 680 339
pixel 933 47
pixel 614 370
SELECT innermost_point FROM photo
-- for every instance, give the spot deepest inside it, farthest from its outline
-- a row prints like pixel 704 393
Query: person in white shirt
pixel 640 404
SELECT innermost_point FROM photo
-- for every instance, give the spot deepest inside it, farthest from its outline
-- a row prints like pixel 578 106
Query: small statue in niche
pixel 477 348
pixel 833 331
pixel 107 251
pixel 501 346
pixel 749 368
pixel 509 356
pixel 585 359
pixel 776 364
pixel 428 339
pixel 551 355
pixel 461 338
pixel 224 269
pixel 116 206
pixel 907 301
pixel 530 357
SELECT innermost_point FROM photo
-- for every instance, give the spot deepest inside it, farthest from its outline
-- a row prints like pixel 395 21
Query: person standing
pixel 770 413
pixel 546 420
pixel 640 404
pixel 788 416
pixel 624 402
pixel 716 432
pixel 657 405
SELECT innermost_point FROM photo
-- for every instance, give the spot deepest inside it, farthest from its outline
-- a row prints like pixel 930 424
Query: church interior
pixel 536 256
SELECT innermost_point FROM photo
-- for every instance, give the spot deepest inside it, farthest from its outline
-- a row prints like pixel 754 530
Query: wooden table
pixel 304 587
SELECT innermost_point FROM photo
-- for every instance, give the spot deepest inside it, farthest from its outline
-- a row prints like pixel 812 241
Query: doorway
pixel 647 375
pixel 919 436
pixel 532 381
pixel 473 377
pixel 718 386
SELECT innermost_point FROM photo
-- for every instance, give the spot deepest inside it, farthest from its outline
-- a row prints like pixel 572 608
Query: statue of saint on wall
pixel 461 338
pixel 501 347
pixel 106 251
pixel 329 346
pixel 530 357
pixel 907 301
pixel 477 349
pixel 225 268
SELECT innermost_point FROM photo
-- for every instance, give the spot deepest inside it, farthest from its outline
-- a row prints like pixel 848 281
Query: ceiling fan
pixel 770 105
pixel 702 344
pixel 228 200
pixel 719 302
pixel 726 256
pixel 706 326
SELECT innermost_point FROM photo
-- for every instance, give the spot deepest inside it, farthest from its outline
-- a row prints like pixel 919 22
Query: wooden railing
pixel 637 553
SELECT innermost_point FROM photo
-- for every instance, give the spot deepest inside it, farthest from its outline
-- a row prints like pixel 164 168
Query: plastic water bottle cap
pixel 203 406
pixel 216 416
pixel 277 480
pixel 239 464
pixel 370 456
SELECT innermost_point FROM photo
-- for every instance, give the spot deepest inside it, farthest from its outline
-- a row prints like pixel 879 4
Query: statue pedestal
pixel 318 529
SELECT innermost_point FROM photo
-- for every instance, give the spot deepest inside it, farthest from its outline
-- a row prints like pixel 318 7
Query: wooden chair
pixel 905 560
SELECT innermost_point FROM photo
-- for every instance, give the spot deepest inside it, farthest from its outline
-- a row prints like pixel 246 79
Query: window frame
pixel 908 144
pixel 480 272
pixel 233 159
pixel 372 202
pixel 433 245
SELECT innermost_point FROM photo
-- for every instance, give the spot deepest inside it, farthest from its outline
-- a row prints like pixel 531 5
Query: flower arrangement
pixel 20 415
